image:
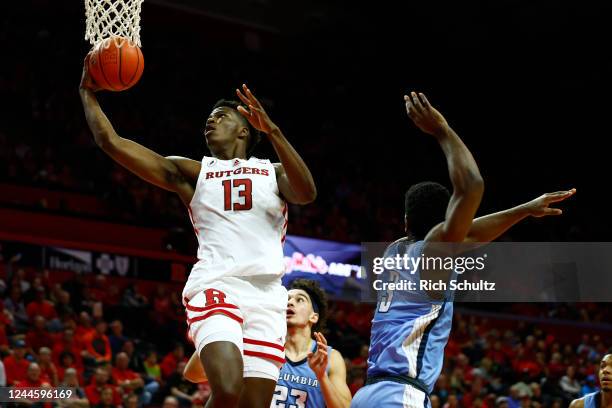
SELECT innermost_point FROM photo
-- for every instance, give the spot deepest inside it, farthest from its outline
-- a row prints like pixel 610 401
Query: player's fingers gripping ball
pixel 115 64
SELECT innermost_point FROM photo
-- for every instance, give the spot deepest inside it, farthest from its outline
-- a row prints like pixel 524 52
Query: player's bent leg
pixel 257 392
pixel 222 361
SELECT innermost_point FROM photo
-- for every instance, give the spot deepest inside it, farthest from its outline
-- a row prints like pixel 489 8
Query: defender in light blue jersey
pixel 314 375
pixel 603 397
pixel 411 328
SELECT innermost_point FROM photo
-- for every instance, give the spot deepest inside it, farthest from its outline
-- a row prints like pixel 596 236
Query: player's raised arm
pixel 333 384
pixel 145 163
pixel 489 227
pixel 294 178
pixel 468 185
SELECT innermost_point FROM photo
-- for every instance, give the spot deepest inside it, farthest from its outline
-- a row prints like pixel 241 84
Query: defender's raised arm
pixel 468 185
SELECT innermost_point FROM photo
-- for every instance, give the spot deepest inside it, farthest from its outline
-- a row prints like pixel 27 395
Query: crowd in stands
pixel 111 343
pixel 45 142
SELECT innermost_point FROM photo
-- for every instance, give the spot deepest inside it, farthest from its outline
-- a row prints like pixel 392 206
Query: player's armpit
pixel 149 165
pixel 189 169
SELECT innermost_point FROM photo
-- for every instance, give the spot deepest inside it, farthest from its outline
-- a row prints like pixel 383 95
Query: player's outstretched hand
pixel 256 115
pixel 87 81
pixel 317 361
pixel 425 116
pixel 539 207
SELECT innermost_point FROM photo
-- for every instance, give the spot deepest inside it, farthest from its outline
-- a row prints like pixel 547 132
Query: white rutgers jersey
pixel 240 219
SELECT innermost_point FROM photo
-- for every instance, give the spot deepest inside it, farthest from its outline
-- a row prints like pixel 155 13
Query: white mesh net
pixel 107 18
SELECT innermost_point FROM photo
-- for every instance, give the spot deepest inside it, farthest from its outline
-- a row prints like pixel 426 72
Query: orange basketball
pixel 116 64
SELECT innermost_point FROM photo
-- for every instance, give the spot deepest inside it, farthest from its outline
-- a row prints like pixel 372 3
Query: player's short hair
pixel 425 207
pixel 318 298
pixel 254 134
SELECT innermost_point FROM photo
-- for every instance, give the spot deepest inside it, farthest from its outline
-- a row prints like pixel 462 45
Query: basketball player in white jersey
pixel 314 375
pixel 234 298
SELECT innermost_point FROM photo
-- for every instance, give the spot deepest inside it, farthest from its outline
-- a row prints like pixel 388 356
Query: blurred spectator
pixel 15 305
pixel 170 402
pixel 151 366
pixel 99 383
pixel 41 306
pixel 172 359
pixel 556 368
pixel 63 306
pixel 134 356
pixel 48 370
pixel 84 328
pixel 107 399
pixel 38 336
pixel 130 381
pixel 133 299
pixel 502 402
pixel 180 388
pixel 361 361
pixel 97 343
pixel 78 399
pixel 589 385
pixel 131 401
pixel 67 362
pixel 569 384
pixel 68 344
pixel 33 378
pixel 16 365
pixel 116 338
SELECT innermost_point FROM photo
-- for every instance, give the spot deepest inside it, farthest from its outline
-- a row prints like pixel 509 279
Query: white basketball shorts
pixel 247 311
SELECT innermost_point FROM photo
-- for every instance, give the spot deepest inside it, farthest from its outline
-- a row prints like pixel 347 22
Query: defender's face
pixel 223 126
pixel 299 309
pixel 605 373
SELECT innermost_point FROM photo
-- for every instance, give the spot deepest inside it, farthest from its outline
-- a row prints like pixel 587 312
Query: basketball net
pixel 109 18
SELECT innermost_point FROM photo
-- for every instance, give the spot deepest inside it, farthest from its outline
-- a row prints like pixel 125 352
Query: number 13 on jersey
pixel 245 192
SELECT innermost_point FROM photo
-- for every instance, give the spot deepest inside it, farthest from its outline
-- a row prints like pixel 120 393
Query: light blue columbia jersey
pixel 592 400
pixel 409 333
pixel 297 385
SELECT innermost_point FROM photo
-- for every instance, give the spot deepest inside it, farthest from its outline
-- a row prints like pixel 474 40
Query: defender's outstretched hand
pixel 539 207
pixel 425 116
pixel 256 115
pixel 87 81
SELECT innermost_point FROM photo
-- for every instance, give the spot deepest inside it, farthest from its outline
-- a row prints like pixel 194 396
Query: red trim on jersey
pixel 213 312
pixel 284 229
pixel 205 308
pixel 264 355
pixel 263 343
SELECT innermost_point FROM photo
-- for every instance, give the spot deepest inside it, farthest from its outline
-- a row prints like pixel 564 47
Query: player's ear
pixel 244 133
pixel 314 318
